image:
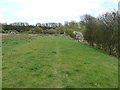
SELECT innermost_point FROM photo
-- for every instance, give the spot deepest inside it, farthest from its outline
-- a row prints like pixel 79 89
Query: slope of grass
pixel 56 62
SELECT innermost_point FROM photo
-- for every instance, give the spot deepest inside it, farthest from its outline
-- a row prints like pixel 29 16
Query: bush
pixel 60 30
pixel 8 31
pixel 70 33
pixel 50 31
pixel 36 30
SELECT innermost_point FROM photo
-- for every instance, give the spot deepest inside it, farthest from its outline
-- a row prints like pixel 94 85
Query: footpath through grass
pixel 56 62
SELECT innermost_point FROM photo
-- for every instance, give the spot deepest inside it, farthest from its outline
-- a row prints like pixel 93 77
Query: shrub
pixel 70 33
pixel 60 30
pixel 8 31
pixel 50 31
pixel 36 30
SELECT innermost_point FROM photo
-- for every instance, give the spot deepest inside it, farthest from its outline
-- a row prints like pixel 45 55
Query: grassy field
pixel 56 62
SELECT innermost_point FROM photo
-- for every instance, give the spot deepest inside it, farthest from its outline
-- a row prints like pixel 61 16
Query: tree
pixel 103 31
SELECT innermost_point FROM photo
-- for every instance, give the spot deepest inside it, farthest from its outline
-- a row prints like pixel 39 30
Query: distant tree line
pixel 103 32
pixel 43 28
pixel 24 27
pixel 16 27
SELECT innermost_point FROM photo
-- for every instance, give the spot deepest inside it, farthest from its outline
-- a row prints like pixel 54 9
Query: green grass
pixel 6 38
pixel 56 62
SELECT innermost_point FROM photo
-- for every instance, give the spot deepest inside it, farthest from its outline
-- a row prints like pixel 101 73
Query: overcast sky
pixel 33 11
